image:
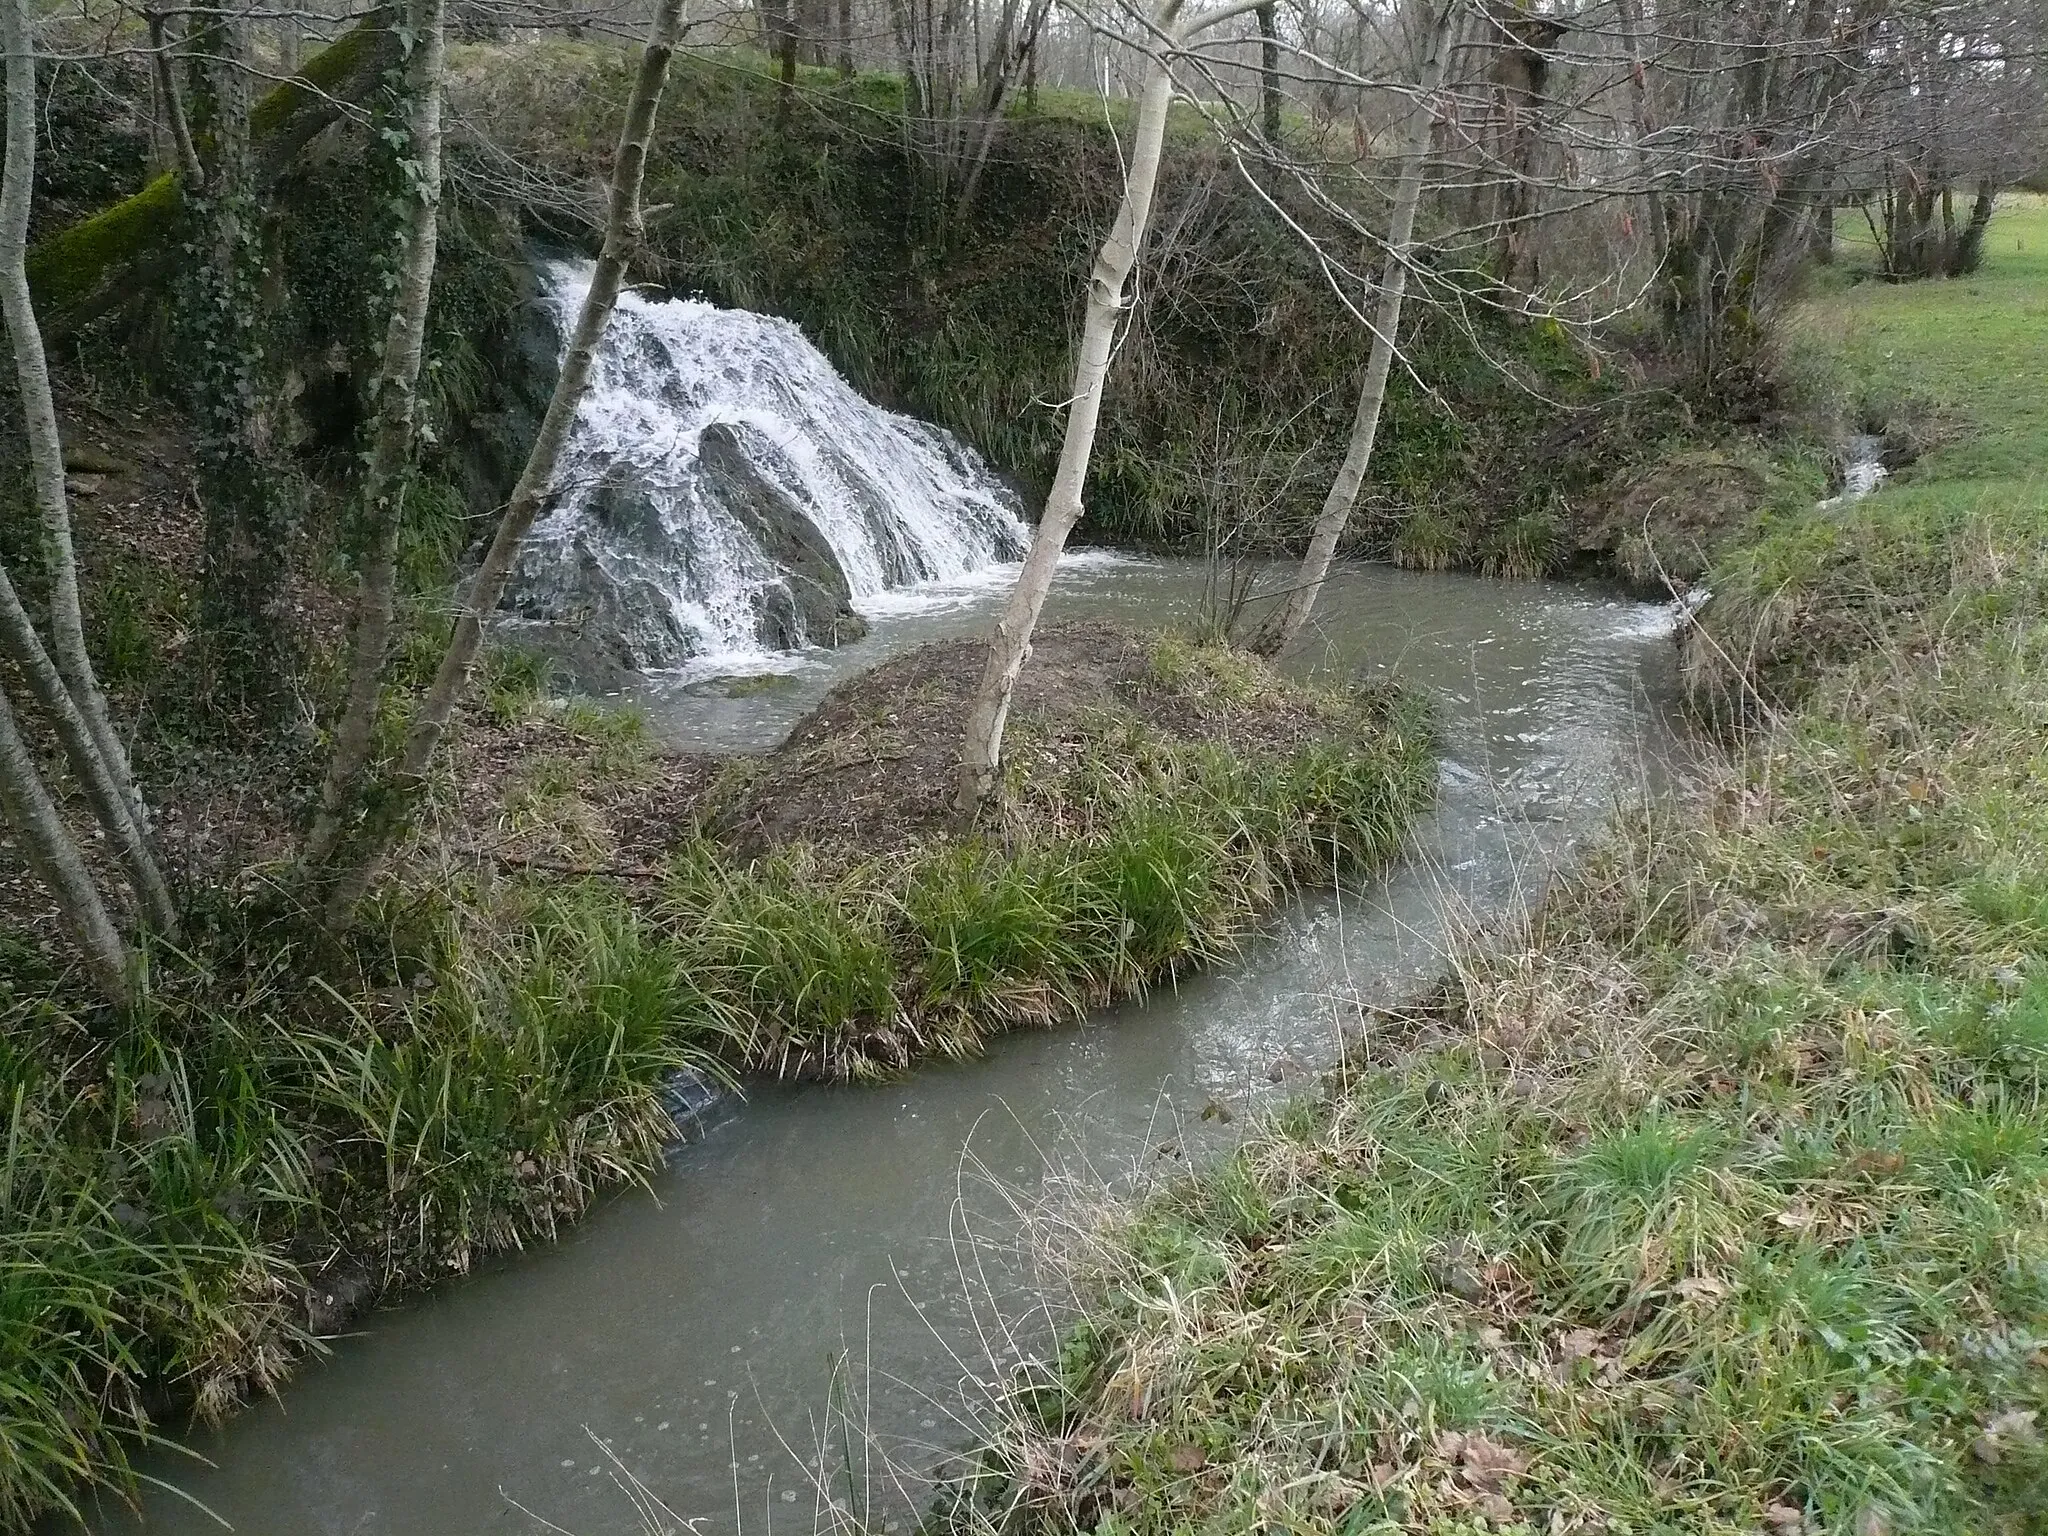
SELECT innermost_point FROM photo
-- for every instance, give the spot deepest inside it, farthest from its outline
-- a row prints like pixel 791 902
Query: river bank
pixel 819 1236
pixel 1712 1197
pixel 281 1136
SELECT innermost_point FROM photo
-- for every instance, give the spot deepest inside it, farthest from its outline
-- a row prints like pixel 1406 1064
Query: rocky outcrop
pixel 632 554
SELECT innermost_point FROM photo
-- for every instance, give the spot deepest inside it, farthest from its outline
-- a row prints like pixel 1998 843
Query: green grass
pixel 175 1183
pixel 1713 1199
pixel 1141 857
pixel 275 1122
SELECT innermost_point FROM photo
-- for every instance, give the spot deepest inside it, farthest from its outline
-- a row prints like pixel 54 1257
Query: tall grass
pixel 1148 856
pixel 170 1199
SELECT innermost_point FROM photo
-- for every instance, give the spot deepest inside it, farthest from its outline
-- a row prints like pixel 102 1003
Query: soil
pixel 873 769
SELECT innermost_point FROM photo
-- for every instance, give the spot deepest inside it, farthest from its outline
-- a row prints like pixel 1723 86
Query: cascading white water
pixel 725 493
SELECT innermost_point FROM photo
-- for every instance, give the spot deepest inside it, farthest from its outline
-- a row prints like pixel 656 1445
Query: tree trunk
pixel 1269 73
pixel 622 239
pixel 846 39
pixel 1654 201
pixel 164 63
pixel 64 681
pixel 982 745
pixel 1969 252
pixel 53 855
pixel 384 479
pixel 250 645
pixel 1280 630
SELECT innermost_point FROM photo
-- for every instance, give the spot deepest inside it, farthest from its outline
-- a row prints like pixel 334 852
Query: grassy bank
pixel 1716 1198
pixel 281 1135
pixel 1161 797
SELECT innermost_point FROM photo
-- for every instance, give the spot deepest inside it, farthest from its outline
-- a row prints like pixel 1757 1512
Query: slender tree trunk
pixel 788 35
pixel 164 62
pixel 982 744
pixel 1279 631
pixel 846 39
pixel 62 677
pixel 623 236
pixel 54 857
pixel 1654 201
pixel 391 450
pixel 981 750
pixel 1269 73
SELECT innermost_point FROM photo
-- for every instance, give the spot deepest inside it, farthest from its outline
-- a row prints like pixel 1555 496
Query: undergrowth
pixel 193 1193
pixel 185 1190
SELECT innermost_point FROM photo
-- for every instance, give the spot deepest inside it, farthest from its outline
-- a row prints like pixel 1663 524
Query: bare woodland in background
pixel 1651 177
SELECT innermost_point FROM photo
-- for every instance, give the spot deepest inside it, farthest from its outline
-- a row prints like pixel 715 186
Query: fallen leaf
pixel 1702 1288
pixel 1579 1344
pixel 1187 1458
pixel 1787 1519
pixel 1797 1217
pixel 2003 1432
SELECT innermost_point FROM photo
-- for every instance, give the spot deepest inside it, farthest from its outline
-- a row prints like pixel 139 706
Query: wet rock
pixel 814 603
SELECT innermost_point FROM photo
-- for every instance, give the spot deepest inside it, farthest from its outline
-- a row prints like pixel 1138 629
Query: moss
pixel 66 271
pixel 365 49
pixel 70 271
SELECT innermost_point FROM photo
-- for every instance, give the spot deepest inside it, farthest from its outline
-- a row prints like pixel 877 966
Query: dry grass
pixel 1715 1199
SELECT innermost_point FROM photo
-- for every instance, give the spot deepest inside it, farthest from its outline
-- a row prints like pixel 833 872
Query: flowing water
pixel 827 1252
pixel 724 492
pixel 695 1328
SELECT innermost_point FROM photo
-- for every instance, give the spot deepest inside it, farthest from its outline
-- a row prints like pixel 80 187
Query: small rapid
pixel 726 495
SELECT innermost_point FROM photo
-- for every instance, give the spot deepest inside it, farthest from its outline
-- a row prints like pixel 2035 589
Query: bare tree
pixel 1435 23
pixel 391 449
pixel 61 676
pixel 1171 28
pixel 364 856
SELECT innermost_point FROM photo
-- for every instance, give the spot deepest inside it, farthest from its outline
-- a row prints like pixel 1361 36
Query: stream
pixel 826 1276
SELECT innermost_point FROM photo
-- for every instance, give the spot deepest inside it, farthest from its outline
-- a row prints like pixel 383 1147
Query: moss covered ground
pixel 1714 1199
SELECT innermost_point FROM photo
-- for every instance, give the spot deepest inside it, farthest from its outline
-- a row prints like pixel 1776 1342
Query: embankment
pixel 1715 1198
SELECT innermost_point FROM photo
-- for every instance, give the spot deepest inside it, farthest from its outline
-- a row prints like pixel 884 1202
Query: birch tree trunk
pixel 622 238
pixel 54 857
pixel 981 750
pixel 1010 645
pixel 1438 23
pixel 391 450
pixel 61 677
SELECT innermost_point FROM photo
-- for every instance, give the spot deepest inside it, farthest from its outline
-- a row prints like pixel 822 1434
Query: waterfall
pixel 725 493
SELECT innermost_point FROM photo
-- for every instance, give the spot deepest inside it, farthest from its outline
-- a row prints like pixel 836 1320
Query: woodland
pixel 345 938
